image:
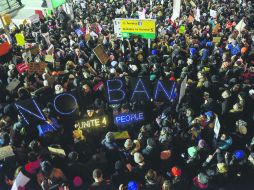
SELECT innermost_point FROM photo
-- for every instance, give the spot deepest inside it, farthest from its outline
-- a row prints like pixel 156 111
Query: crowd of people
pixel 202 141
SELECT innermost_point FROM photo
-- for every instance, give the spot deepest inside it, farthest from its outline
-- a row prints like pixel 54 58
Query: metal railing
pixel 7 5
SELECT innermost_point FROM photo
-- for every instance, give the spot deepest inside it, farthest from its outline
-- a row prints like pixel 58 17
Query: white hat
pixel 138 158
pixel 11 66
pixel 251 92
pixel 112 70
pixel 226 94
pixel 58 89
pixel 134 67
pixel 128 144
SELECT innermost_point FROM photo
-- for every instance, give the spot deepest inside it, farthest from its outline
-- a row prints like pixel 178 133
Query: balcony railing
pixel 7 5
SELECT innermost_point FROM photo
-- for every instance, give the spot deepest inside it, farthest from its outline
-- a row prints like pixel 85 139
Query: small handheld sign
pixel 128 118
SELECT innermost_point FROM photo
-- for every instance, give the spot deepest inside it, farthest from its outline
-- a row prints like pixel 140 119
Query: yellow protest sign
pixel 145 28
pixel 216 39
pixel 49 58
pixel 20 39
pixel 57 151
pixel 121 135
pixel 182 29
pixel 7 19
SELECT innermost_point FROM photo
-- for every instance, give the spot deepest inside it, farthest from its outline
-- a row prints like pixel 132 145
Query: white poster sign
pixel 197 16
pixel 117 28
pixel 20 181
pixel 213 13
pixel 34 18
pixel 240 26
pixel 216 127
pixel 176 9
pixel 142 14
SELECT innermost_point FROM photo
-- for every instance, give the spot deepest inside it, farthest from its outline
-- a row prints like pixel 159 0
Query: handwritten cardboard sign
pixel 57 151
pixel 216 39
pixel 22 67
pixel 6 152
pixel 121 135
pixel 49 58
pixel 34 18
pixel 213 13
pixel 101 54
pixel 240 26
pixel 34 48
pixel 12 85
pixel 38 68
